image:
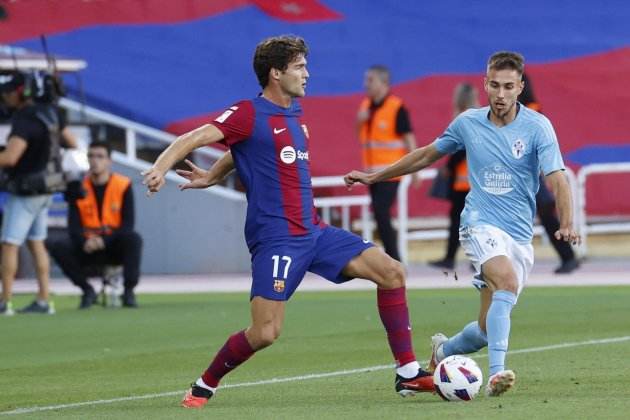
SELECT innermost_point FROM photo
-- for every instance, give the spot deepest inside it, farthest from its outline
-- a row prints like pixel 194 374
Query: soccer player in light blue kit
pixel 507 146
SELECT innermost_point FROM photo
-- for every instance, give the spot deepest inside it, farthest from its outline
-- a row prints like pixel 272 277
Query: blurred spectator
pixel 32 163
pixel 100 229
pixel 386 135
pixel 455 172
pixel 545 202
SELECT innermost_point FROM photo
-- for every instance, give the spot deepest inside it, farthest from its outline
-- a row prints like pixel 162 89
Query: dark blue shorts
pixel 278 267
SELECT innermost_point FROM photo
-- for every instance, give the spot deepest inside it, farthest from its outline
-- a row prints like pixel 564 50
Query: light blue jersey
pixel 503 167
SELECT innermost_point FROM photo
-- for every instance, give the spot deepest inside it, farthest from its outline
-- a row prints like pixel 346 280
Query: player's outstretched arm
pixel 564 204
pixel 200 178
pixel 182 146
pixel 411 162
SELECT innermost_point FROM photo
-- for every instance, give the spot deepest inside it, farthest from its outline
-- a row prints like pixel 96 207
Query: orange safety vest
pixel 460 180
pixel 382 146
pixel 110 214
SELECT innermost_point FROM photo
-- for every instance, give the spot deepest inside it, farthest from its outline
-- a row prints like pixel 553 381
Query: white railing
pixel 583 226
pixel 327 204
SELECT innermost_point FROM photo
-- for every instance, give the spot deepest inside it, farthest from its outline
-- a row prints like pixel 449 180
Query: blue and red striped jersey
pixel 269 145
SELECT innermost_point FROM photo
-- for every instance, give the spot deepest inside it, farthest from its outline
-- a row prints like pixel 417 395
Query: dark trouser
pixel 125 249
pixel 547 215
pixel 383 196
pixel 458 201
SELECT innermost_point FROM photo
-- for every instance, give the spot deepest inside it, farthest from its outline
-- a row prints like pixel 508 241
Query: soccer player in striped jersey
pixel 269 147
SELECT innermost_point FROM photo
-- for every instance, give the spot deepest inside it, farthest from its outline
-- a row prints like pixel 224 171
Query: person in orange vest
pixel 545 202
pixel 101 229
pixel 465 96
pixel 386 135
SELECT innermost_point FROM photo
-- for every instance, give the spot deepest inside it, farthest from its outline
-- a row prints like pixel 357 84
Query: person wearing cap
pixel 32 150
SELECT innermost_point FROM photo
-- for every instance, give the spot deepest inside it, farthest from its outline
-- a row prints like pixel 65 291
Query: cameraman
pixel 32 161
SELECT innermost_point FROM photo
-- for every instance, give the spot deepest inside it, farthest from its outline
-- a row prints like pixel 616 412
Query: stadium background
pixel 173 65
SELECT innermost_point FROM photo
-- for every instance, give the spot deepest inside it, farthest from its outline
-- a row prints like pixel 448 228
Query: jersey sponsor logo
pixel 278 130
pixel 496 180
pixel 278 286
pixel 221 118
pixel 289 155
pixel 518 148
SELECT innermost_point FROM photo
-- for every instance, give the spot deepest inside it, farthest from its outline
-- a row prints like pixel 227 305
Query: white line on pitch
pixel 298 378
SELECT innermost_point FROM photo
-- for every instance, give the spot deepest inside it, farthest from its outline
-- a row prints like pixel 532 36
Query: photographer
pixel 32 163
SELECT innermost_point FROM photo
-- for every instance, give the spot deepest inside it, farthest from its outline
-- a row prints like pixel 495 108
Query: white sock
pixel 409 370
pixel 203 385
pixel 42 302
pixel 439 354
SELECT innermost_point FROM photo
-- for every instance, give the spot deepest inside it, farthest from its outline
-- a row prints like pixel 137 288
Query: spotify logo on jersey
pixel 288 155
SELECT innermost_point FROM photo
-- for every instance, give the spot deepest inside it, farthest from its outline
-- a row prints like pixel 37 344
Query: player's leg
pixel 470 339
pixel 267 318
pixel 499 273
pixel 389 275
pixel 277 270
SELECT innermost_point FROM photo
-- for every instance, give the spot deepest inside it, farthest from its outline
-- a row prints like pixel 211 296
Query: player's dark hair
pixel 507 60
pixel 381 71
pixel 276 53
pixel 105 145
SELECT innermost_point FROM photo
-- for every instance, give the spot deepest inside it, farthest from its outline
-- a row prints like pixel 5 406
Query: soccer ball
pixel 457 378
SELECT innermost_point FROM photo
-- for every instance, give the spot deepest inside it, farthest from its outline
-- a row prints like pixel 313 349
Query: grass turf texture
pixel 100 354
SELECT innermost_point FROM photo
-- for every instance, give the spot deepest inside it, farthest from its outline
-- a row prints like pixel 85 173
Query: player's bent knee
pixel 509 284
pixel 264 337
pixel 393 274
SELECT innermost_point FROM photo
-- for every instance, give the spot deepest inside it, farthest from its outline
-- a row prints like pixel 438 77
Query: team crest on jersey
pixel 518 148
pixel 305 129
pixel 278 286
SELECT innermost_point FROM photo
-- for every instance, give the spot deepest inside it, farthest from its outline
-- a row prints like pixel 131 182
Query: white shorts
pixel 485 241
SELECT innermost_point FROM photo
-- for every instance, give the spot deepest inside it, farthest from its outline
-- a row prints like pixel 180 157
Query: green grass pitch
pixel 150 355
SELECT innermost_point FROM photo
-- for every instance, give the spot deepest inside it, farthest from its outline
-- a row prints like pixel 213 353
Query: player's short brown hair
pixel 507 60
pixel 276 53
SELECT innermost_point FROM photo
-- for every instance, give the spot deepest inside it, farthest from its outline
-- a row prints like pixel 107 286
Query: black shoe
pixel 444 264
pixel 129 299
pixel 36 308
pixel 422 382
pixel 567 267
pixel 88 299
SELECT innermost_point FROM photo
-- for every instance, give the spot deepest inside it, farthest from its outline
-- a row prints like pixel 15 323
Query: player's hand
pixel 353 177
pixel 568 235
pixel 153 178
pixel 197 177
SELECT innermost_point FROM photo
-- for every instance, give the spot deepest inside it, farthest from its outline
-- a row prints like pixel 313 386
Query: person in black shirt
pixel 545 202
pixel 101 229
pixel 32 149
